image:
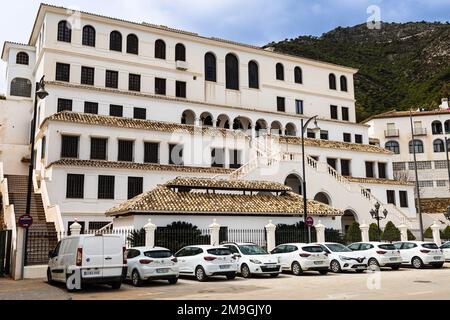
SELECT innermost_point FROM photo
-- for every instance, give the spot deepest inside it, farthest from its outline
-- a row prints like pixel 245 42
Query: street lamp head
pixel 316 128
pixel 377 206
pixel 41 93
pixel 373 213
pixel 385 213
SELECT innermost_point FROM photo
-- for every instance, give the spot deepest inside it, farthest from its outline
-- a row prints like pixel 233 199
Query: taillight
pixel 425 251
pixel 210 258
pixel 381 252
pixel 304 255
pixel 124 255
pixel 174 260
pixel 145 261
pixel 79 260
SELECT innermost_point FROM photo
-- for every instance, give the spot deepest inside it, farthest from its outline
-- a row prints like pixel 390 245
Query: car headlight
pixel 344 258
pixel 255 261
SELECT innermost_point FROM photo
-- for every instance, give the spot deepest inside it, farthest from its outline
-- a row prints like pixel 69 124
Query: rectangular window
pixel 404 199
pixel 69 146
pixel 281 104
pixel 235 159
pixel 134 82
pixel 62 72
pixel 347 137
pixel 106 187
pixel 135 186
pixel 64 105
pixel 369 169
pixel 421 165
pixel 181 89
pixel 390 196
pixel 345 168
pixel 323 135
pixel 140 113
pixel 125 152
pixel 115 110
pixel 218 158
pixel 112 79
pixel 310 134
pixel 160 86
pixel 332 163
pixel 151 152
pixel 43 146
pixel 426 184
pixel 358 138
pixel 333 112
pixel 98 148
pixel 345 115
pixel 399 166
pixel 75 186
pixel 176 154
pixel 381 170
pixel 91 107
pixel 299 106
pixel 440 164
pixel 87 76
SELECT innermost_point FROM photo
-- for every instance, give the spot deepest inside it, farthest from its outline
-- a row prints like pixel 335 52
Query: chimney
pixel 444 104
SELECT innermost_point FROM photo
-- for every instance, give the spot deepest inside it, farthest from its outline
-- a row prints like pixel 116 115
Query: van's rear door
pixel 113 255
pixel 92 266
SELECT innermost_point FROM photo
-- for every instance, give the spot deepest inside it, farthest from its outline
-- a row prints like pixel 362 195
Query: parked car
pixel 378 254
pixel 446 250
pixel 205 261
pixel 78 260
pixel 420 254
pixel 146 263
pixel 252 260
pixel 299 257
pixel 343 259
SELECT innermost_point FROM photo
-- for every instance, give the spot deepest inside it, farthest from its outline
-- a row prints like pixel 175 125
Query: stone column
pixel 403 232
pixel 320 232
pixel 150 229
pixel 436 233
pixel 214 230
pixel 270 230
pixel 364 232
pixel 75 228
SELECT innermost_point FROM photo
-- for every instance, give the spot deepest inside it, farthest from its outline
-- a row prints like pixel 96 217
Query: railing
pixel 257 236
pixel 52 212
pixel 391 133
pixel 420 131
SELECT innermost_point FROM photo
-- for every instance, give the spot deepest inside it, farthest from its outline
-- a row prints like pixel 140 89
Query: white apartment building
pixel 134 105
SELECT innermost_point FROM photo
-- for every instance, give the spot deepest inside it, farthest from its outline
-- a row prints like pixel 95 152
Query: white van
pixel 77 260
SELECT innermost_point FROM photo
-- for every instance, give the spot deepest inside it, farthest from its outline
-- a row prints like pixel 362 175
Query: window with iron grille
pixel 160 49
pixel 87 76
pixel 176 154
pixel 441 164
pixel 180 52
pixel 347 137
pixel 253 75
pixel 64 105
pixel 62 72
pixel 106 187
pixel 69 146
pixel 404 199
pixel 20 87
pixel 281 104
pixel 358 138
pixel 369 169
pixel 43 145
pixel 115 110
pixel 97 225
pixel 160 86
pixel 139 113
pixel 125 152
pixel 421 165
pixel 399 166
pixel 135 186
pixel 180 89
pixel 426 184
pixel 381 170
pixel 334 112
pixel 279 70
pixel 323 134
pixel 231 72
pixel 134 82
pixel 22 58
pixel 112 79
pixel 64 31
pixel 132 44
pixel 88 36
pixel 91 107
pixel 299 106
pixel 298 77
pixel 115 41
pixel 210 67
pixel 218 158
pixel 98 148
pixel 345 115
pixel 151 152
pixel 441 183
pixel 75 186
pixel 235 159
pixel 390 196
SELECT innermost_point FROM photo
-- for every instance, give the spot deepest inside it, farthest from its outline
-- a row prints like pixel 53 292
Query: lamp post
pixel 375 213
pixel 40 94
pixel 447 142
pixel 305 201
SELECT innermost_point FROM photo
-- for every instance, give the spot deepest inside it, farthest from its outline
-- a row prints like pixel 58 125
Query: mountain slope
pixel 401 65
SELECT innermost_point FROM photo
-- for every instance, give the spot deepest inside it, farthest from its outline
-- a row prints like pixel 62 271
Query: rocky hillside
pixel 401 65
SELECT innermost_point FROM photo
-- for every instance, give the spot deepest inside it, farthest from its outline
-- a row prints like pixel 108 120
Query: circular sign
pixel 309 221
pixel 25 221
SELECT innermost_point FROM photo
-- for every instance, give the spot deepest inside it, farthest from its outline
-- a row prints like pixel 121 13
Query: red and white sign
pixel 309 221
pixel 25 221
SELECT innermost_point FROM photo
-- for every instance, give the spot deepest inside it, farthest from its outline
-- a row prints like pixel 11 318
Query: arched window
pixel 393 146
pixel 332 81
pixel 20 87
pixel 298 76
pixel 447 126
pixel 22 58
pixel 253 75
pixel 343 83
pixel 232 72
pixel 438 146
pixel 210 67
pixel 88 36
pixel 132 44
pixel 418 146
pixel 280 71
pixel 436 127
pixel 180 52
pixel 115 41
pixel 64 31
pixel 160 49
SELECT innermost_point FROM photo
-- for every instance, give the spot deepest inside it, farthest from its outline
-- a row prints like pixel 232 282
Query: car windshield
pixel 220 251
pixel 158 254
pixel 430 246
pixel 250 249
pixel 337 247
pixel 387 247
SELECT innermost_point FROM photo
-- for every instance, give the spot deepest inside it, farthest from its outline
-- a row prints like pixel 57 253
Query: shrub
pixel 391 233
pixel 446 233
pixel 353 233
pixel 411 236
pixel 137 238
pixel 178 235
pixel 428 234
pixel 373 232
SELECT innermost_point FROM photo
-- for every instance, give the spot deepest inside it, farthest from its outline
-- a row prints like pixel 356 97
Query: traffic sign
pixel 309 221
pixel 25 221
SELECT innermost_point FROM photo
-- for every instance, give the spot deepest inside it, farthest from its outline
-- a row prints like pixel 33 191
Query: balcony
pixel 182 65
pixel 391 133
pixel 420 131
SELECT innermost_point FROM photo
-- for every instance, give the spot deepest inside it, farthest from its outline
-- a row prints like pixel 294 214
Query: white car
pixel 252 260
pixel 151 264
pixel 299 257
pixel 343 259
pixel 378 254
pixel 420 254
pixel 204 261
pixel 77 260
pixel 446 250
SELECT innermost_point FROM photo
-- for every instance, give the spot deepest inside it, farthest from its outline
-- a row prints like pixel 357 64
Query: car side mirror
pixel 237 255
pixel 51 254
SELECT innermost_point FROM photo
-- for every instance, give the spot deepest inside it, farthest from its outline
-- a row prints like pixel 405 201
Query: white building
pixel 134 92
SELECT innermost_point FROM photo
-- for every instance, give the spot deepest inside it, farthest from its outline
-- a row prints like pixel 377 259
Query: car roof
pixel 241 243
pixel 150 248
pixel 416 242
pixel 206 246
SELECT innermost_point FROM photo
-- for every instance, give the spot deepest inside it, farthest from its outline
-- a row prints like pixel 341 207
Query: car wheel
pixel 296 268
pixel 173 280
pixel 396 267
pixel 323 272
pixel 335 266
pixel 245 271
pixel 200 274
pixel 136 279
pixel 116 285
pixel 274 275
pixel 373 264
pixel 231 276
pixel 417 263
pixel 49 277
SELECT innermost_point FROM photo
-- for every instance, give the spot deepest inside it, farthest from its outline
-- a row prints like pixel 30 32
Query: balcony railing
pixel 391 133
pixel 420 131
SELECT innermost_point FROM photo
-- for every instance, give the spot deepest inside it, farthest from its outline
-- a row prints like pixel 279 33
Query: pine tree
pixel 373 232
pixel 411 236
pixel 446 233
pixel 391 233
pixel 353 233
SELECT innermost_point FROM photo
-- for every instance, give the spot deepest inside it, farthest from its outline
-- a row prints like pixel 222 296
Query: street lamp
pixel 375 213
pixel 447 143
pixel 305 201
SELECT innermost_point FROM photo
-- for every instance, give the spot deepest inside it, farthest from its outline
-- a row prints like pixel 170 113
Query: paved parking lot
pixel 402 284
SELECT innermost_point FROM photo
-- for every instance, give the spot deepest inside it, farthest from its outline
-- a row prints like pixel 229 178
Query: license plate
pixel 393 259
pixel 318 262
pixel 91 273
pixel 225 266
pixel 162 270
pixel 272 268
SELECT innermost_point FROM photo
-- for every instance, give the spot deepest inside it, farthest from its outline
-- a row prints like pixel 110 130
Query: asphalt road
pixel 387 284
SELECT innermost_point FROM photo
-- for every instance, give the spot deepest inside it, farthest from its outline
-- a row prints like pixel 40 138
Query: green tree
pixel 353 233
pixel 373 232
pixel 428 234
pixel 446 233
pixel 136 238
pixel 180 234
pixel 411 236
pixel 391 233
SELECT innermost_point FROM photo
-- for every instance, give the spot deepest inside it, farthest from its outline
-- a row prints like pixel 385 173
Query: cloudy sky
pixel 251 21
